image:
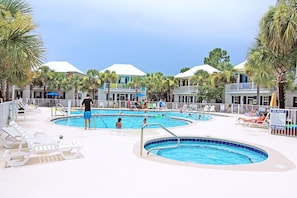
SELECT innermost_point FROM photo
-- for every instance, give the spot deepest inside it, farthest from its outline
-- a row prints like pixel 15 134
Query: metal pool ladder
pixel 158 148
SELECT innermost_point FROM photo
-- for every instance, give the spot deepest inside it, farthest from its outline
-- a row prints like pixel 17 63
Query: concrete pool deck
pixel 110 165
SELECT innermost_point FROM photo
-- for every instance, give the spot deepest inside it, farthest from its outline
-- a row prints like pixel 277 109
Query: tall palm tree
pixel 256 68
pixel 57 81
pixel 20 49
pixel 15 6
pixel 76 83
pixel 44 74
pixel 158 90
pixel 136 83
pixel 278 30
pixel 201 78
pixel 170 83
pixel 91 82
pixel 109 77
pixel 149 83
pixel 226 75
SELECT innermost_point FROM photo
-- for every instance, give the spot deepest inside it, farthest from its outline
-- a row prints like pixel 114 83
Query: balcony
pixel 243 87
pixel 123 87
pixel 185 90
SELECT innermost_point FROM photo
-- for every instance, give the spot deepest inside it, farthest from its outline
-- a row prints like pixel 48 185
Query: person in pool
pixel 144 122
pixel 87 102
pixel 119 123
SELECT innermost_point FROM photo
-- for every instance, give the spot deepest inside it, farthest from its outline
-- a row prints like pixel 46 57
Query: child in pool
pixel 119 123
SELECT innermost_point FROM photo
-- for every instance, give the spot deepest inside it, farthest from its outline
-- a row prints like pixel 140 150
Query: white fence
pixel 4 113
pixel 8 110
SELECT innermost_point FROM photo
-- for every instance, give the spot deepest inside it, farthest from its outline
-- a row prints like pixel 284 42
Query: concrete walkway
pixel 110 165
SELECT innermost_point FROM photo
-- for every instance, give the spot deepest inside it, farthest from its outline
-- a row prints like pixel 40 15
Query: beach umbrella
pixel 52 94
pixel 273 100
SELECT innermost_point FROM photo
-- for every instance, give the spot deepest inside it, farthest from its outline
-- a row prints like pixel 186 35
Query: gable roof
pixel 62 66
pixel 125 70
pixel 191 72
pixel 240 66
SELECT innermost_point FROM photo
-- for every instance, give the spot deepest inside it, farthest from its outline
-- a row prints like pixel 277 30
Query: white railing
pixel 243 87
pixel 186 90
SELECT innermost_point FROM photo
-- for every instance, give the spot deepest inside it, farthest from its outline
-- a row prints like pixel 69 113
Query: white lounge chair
pixel 31 108
pixel 258 124
pixel 206 108
pixel 41 146
pixel 10 137
pixel 212 108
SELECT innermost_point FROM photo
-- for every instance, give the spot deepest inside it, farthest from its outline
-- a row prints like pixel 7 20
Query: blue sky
pixel 153 35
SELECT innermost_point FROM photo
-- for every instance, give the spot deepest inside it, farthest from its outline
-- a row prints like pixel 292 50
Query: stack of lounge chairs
pixel 37 144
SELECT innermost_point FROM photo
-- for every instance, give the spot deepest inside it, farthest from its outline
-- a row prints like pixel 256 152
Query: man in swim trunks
pixel 87 114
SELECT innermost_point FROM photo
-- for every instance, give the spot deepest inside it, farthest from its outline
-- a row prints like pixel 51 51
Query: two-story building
pixel 57 66
pixel 121 91
pixel 187 91
pixel 244 91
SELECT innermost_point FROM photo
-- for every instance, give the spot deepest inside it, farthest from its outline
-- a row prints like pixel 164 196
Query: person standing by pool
pixel 119 123
pixel 87 113
pixel 128 104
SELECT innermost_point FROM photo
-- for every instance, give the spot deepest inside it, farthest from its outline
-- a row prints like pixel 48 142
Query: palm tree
pixel 149 83
pixel 171 83
pixel 136 83
pixel 57 81
pixel 44 74
pixel 278 30
pixel 201 78
pixel 256 68
pixel 20 50
pixel 91 81
pixel 109 77
pixel 158 90
pixel 76 83
pixel 226 75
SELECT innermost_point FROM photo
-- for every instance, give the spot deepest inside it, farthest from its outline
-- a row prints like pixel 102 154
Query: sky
pixel 153 35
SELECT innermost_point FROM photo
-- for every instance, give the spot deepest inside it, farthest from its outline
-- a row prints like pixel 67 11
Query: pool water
pixel 187 115
pixel 207 151
pixel 132 119
pixel 129 122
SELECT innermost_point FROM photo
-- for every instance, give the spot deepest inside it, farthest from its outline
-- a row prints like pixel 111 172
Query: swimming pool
pixel 208 151
pixel 187 115
pixel 128 121
pixel 132 119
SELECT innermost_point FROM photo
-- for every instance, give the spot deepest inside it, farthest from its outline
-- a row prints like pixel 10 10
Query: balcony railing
pixel 185 90
pixel 243 87
pixel 119 86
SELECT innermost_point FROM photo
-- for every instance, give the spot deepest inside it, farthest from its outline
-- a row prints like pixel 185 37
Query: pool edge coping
pixel 276 162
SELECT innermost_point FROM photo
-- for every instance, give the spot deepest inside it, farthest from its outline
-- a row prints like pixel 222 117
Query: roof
pixel 125 70
pixel 191 72
pixel 62 66
pixel 240 66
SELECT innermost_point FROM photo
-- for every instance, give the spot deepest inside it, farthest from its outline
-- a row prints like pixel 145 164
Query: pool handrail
pixel 97 115
pixel 157 148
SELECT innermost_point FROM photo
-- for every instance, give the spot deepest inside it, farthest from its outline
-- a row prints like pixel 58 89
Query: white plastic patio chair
pixel 206 108
pixel 39 145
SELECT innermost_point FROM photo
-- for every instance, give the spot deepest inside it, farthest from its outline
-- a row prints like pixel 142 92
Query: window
pixel 236 99
pixel 294 101
pixel 265 100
